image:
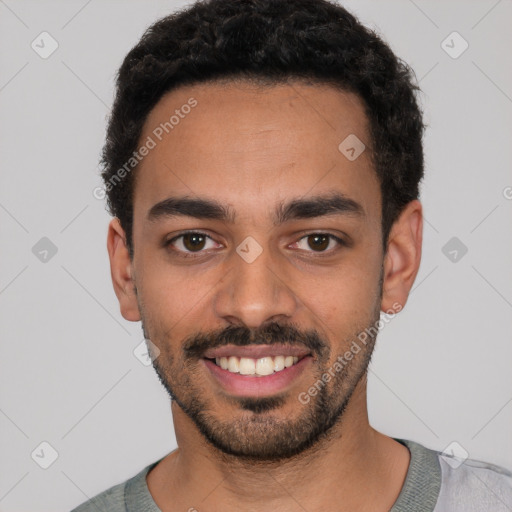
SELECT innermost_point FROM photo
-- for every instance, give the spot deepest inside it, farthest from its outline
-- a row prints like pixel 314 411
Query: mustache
pixel 195 346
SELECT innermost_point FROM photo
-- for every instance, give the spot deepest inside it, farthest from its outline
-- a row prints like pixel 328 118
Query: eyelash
pixel 185 254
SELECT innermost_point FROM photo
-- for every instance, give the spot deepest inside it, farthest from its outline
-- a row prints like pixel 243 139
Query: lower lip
pixel 253 385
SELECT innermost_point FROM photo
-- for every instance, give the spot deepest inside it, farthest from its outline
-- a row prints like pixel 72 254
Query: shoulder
pixel 130 495
pixel 112 499
pixel 472 485
pixel 438 482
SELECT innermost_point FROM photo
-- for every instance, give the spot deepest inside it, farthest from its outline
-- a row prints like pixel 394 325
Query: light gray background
pixel 442 368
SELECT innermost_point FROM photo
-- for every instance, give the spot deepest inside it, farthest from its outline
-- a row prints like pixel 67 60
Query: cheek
pixel 169 292
pixel 346 301
pixel 344 315
pixel 346 292
pixel 174 303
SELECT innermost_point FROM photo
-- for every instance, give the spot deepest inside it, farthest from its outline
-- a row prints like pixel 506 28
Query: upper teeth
pixel 262 366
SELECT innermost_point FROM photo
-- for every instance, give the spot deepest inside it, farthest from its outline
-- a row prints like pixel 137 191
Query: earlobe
pixel 403 257
pixel 121 271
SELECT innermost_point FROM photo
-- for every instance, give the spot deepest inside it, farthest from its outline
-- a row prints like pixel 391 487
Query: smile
pixel 263 366
pixel 256 370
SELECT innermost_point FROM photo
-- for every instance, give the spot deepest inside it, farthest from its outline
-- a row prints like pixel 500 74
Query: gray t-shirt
pixel 434 483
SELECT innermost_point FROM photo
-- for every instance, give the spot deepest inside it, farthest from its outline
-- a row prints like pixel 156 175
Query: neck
pixel 353 465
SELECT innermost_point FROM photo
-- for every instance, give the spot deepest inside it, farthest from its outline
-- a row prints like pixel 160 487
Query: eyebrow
pixel 299 208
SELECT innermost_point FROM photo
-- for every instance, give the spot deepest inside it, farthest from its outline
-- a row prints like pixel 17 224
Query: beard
pixel 256 433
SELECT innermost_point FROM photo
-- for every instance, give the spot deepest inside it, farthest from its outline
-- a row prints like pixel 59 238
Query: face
pixel 257 260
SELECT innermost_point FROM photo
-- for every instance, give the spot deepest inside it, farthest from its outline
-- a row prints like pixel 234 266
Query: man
pixel 263 162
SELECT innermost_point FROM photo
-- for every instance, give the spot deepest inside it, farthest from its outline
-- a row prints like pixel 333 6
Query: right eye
pixel 189 243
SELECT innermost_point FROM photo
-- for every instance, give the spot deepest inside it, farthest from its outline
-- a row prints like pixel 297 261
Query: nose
pixel 255 292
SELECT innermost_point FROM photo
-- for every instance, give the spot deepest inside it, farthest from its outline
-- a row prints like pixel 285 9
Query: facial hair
pixel 256 434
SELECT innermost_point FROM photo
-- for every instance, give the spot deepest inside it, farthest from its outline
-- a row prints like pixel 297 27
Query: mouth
pixel 260 367
pixel 260 370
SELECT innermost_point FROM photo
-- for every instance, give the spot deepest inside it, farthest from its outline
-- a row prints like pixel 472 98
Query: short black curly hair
pixel 269 42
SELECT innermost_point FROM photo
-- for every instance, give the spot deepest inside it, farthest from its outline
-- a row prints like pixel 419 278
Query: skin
pixel 252 147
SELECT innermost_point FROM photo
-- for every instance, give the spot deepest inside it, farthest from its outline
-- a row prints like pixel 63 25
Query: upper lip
pixel 256 351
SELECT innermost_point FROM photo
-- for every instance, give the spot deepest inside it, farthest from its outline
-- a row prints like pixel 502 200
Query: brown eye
pixel 193 241
pixel 189 244
pixel 318 242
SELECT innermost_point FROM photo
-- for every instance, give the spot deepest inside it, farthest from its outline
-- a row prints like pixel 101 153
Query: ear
pixel 121 271
pixel 403 256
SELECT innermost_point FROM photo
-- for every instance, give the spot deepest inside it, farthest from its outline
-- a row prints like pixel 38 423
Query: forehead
pixel 250 145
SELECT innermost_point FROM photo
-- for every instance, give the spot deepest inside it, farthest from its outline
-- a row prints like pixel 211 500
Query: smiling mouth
pixel 259 367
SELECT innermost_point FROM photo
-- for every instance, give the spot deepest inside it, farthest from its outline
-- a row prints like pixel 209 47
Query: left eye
pixel 320 241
